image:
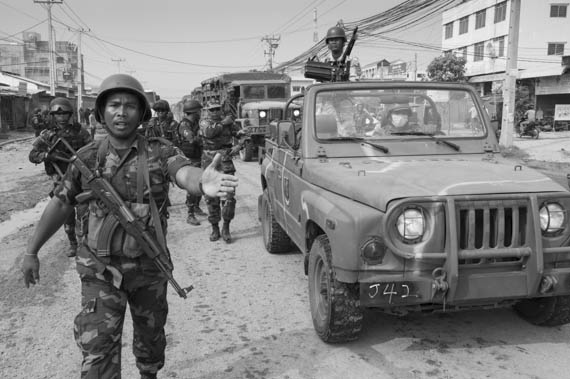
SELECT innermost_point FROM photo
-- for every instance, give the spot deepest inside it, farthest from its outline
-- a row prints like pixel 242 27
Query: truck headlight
pixel 411 224
pixel 296 113
pixel 552 218
pixel 262 114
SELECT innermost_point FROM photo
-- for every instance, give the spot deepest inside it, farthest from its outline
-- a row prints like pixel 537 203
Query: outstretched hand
pixel 31 269
pixel 215 183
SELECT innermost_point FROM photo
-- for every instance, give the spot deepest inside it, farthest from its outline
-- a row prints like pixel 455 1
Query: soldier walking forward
pixel 218 136
pixel 161 125
pixel 62 126
pixel 113 269
pixel 190 142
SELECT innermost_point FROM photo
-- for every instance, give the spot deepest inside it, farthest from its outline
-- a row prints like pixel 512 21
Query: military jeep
pixel 424 215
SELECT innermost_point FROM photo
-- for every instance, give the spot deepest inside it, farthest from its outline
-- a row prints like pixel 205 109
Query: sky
pixel 173 45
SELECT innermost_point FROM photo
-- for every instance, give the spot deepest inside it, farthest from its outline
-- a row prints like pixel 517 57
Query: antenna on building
pixel 316 32
pixel 118 60
pixel 51 39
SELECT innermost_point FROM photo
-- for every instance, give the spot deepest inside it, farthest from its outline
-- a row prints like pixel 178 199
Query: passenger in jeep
pixel 397 121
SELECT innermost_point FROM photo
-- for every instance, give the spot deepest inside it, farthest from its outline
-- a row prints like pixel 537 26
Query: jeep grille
pixel 488 224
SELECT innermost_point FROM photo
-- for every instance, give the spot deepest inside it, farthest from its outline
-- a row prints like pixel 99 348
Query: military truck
pixel 258 98
pixel 426 215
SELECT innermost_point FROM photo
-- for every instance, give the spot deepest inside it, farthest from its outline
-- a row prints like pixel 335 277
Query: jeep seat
pixel 326 126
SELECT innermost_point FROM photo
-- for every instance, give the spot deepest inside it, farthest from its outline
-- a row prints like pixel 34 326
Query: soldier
pixel 161 125
pixel 335 41
pixel 121 275
pixel 190 142
pixel 217 137
pixel 62 126
pixel 229 106
pixel 38 122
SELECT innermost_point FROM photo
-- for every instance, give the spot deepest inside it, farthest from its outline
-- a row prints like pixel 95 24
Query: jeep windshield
pixel 398 113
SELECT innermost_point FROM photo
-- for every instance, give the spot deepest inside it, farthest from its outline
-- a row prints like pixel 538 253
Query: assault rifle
pixel 102 190
pixel 338 71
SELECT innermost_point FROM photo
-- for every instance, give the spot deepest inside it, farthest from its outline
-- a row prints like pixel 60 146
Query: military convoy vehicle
pixel 258 98
pixel 426 216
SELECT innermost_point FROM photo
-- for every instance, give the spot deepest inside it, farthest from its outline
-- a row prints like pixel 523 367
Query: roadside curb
pixel 15 140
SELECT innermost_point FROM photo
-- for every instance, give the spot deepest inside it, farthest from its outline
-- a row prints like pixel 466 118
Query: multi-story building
pixel 479 31
pixel 30 59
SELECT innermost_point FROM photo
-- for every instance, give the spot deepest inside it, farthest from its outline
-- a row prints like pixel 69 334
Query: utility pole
pixel 272 44
pixel 51 41
pixel 315 32
pixel 118 60
pixel 511 73
pixel 80 83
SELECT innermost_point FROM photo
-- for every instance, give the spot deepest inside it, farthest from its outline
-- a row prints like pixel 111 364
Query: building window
pixel 500 46
pixel 463 25
pixel 480 19
pixel 558 10
pixel 449 30
pixel 500 12
pixel 479 51
pixel 556 48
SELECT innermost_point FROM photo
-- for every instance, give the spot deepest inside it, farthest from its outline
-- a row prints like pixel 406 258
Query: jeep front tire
pixel 545 311
pixel 335 306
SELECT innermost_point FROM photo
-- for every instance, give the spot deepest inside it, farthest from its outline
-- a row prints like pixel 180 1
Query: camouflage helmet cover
pixel 121 82
pixel 60 105
pixel 335 32
pixel 191 106
pixel 161 106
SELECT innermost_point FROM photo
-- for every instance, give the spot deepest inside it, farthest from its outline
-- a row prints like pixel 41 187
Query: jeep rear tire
pixel 246 154
pixel 545 311
pixel 275 239
pixel 335 306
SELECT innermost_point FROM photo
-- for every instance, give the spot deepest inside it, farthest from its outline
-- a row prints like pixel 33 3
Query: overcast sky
pixel 172 45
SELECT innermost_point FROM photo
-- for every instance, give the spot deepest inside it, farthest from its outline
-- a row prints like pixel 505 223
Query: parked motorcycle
pixel 527 128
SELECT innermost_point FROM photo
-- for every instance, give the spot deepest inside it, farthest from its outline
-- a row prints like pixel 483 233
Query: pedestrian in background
pixel 62 126
pixel 121 273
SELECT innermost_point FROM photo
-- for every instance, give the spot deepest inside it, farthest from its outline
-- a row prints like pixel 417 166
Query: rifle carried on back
pixel 102 190
pixel 331 71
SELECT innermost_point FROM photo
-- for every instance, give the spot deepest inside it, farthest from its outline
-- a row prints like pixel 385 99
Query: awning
pixel 486 78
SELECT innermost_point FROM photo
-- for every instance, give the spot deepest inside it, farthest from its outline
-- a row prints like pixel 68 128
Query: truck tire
pixel 246 154
pixel 275 238
pixel 545 311
pixel 335 306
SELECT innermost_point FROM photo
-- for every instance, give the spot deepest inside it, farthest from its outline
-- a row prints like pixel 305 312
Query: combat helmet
pixel 335 32
pixel 161 106
pixel 121 82
pixel 191 106
pixel 60 105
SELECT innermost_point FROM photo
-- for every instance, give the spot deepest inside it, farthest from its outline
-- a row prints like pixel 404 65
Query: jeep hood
pixel 377 182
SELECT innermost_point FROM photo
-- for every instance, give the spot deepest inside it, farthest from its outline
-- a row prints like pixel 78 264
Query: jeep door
pixel 292 187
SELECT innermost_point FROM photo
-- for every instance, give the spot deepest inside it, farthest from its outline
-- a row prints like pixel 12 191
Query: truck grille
pixel 275 114
pixel 492 224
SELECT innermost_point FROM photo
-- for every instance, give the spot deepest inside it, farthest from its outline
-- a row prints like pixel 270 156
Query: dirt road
pixel 248 316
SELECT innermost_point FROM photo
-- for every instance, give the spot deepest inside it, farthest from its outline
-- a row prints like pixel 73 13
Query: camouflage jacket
pixel 189 138
pixel 165 129
pixel 217 135
pixel 73 133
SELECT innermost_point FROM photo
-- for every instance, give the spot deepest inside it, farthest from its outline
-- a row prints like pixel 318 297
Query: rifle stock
pixel 122 215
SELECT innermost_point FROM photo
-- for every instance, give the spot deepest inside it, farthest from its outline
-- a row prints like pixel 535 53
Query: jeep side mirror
pixel 291 136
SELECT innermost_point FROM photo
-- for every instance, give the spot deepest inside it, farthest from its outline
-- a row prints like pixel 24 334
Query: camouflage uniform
pixel 161 128
pixel 77 137
pixel 190 142
pixel 114 271
pixel 217 137
pixel 38 122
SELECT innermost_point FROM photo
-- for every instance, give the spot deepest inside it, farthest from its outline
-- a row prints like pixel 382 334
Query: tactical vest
pixel 189 139
pixel 74 134
pixel 215 135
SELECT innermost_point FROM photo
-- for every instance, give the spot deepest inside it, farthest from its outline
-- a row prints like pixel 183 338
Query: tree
pixel 447 68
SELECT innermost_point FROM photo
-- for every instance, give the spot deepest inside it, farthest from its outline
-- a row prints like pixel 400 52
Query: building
pixel 30 59
pixel 479 31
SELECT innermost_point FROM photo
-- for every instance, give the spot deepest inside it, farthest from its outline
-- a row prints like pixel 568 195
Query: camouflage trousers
pixel 69 225
pixel 99 326
pixel 219 209
pixel 193 201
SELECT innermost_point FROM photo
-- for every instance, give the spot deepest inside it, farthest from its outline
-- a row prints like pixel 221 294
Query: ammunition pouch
pixel 320 71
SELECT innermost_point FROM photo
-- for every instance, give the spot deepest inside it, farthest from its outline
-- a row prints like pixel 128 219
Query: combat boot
pixel 226 236
pixel 191 219
pixel 72 251
pixel 215 233
pixel 199 212
pixel 147 375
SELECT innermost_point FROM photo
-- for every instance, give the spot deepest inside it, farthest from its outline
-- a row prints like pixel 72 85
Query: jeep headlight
pixel 296 113
pixel 552 218
pixel 262 114
pixel 411 224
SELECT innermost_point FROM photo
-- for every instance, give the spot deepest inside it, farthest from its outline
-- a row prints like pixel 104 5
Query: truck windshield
pixel 276 91
pixel 389 113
